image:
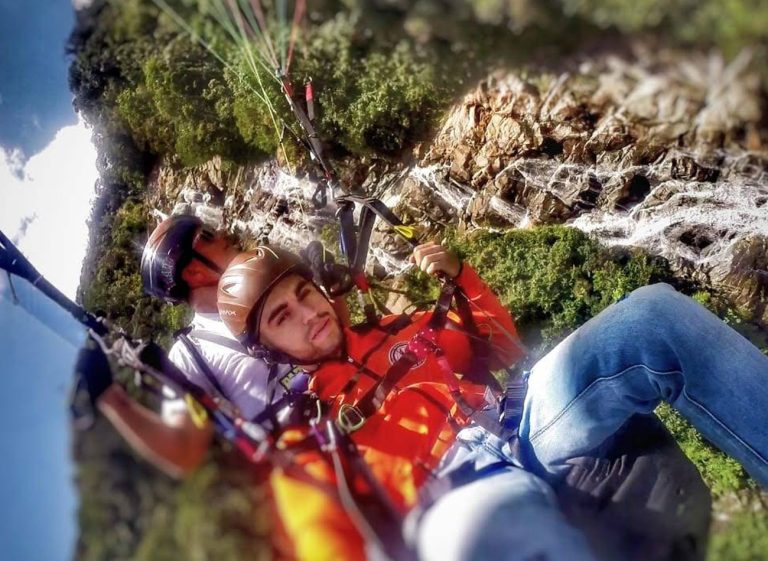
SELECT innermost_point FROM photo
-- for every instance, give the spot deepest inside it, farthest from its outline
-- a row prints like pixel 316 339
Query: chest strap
pixel 221 340
pixel 183 336
pixel 498 417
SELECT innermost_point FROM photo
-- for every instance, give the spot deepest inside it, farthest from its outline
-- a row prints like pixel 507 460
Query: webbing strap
pixel 355 241
pixel 373 512
pixel 374 397
pixel 479 371
pixel 270 411
pixel 211 337
pixel 272 377
pixel 202 365
pixel 347 235
pixel 272 382
pixel 419 345
pixel 352 417
pixel 513 402
pixel 364 231
pixel 385 213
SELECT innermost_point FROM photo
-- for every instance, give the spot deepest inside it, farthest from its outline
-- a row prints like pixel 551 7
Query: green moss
pixel 555 278
pixel 745 538
pixel 728 24
pixel 373 96
pixel 721 473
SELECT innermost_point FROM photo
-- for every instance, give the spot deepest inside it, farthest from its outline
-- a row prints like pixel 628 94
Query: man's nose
pixel 308 313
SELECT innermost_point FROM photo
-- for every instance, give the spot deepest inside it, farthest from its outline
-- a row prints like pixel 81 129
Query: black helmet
pixel 168 250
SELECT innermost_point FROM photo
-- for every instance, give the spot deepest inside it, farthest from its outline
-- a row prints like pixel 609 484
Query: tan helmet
pixel 245 284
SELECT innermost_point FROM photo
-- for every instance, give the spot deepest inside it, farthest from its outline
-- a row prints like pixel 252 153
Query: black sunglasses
pixel 208 235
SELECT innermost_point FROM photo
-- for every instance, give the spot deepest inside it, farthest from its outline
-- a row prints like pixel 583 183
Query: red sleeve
pixel 491 317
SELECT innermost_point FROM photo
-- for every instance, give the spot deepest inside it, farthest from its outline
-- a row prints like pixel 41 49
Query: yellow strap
pixel 406 231
pixel 196 411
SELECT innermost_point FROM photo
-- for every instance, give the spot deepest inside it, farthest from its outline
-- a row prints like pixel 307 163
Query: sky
pixel 33 77
pixel 44 200
pixel 47 177
pixel 38 518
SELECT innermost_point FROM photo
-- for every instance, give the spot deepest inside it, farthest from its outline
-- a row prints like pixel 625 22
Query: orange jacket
pixel 404 441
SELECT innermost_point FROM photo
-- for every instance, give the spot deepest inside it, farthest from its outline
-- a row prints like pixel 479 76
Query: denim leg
pixel 511 515
pixel 655 345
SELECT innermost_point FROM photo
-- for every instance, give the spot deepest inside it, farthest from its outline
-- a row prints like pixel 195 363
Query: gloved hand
pixel 92 368
pixel 332 276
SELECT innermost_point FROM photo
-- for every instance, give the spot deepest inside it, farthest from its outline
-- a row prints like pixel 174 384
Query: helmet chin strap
pixel 271 356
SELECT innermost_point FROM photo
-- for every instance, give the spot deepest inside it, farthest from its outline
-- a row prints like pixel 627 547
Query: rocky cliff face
pixel 661 150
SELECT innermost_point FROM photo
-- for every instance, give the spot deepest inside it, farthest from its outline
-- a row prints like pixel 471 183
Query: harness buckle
pixel 350 418
pixel 424 342
pixel 512 402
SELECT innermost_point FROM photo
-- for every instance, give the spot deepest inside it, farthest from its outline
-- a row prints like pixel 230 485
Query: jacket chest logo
pixel 397 351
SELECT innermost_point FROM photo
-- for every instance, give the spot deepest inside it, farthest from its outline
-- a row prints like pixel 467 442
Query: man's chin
pixel 329 349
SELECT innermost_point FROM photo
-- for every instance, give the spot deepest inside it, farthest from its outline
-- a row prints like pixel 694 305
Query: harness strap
pixel 347 236
pixel 374 397
pixel 269 412
pixel 479 371
pixel 511 407
pixel 211 337
pixel 419 345
pixel 355 241
pixel 272 381
pixel 385 213
pixel 352 417
pixel 182 335
pixel 448 416
pixel 392 328
pixel 372 511
pixel 398 324
pixel 364 231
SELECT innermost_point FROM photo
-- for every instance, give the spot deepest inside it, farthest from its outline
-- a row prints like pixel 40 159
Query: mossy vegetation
pixel 552 278
pixel 746 538
pixel 728 24
pixel 380 82
pixel 722 473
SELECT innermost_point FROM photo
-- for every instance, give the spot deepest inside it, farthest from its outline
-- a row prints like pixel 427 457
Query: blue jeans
pixel 655 345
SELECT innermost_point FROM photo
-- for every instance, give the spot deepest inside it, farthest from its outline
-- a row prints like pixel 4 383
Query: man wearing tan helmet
pixel 416 421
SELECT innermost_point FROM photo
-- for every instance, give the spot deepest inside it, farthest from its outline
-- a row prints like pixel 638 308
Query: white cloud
pixel 47 201
pixel 14 160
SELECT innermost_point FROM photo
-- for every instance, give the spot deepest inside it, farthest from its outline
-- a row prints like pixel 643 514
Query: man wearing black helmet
pixel 182 262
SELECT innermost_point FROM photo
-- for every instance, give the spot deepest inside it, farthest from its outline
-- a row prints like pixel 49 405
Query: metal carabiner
pixel 350 418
